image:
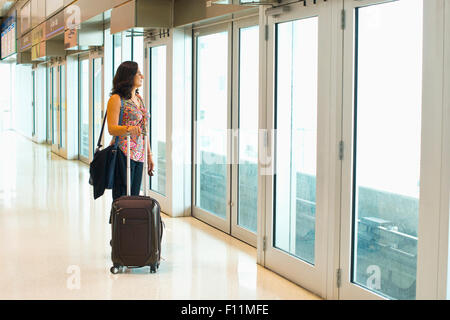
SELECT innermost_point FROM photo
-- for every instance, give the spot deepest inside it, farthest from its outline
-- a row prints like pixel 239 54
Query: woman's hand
pixel 151 165
pixel 134 130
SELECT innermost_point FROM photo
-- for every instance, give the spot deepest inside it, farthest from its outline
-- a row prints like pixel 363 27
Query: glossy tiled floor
pixel 54 242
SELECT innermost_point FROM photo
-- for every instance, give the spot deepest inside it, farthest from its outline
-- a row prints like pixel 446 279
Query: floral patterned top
pixel 134 115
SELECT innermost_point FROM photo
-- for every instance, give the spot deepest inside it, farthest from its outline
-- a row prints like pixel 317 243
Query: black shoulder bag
pixel 103 165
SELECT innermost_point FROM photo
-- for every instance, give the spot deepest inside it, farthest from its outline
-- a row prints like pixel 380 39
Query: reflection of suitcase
pixel 137 228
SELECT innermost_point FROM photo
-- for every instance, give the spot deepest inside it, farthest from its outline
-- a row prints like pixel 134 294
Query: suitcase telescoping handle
pixel 128 166
pixel 144 137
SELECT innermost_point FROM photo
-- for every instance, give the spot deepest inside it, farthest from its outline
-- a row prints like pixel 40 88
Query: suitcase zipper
pixel 134 221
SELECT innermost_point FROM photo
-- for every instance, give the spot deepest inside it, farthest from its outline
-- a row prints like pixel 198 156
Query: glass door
pixel 245 130
pixel 97 99
pixel 155 64
pixel 54 107
pixel 212 119
pixel 33 104
pixel 157 107
pixel 49 107
pixel 297 111
pixel 63 110
pixel 84 123
pixel 91 109
pixel 58 108
pixel 382 112
pixel 226 127
pixel 39 103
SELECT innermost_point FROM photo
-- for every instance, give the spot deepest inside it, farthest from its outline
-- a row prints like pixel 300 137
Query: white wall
pixel 22 106
pixel 5 96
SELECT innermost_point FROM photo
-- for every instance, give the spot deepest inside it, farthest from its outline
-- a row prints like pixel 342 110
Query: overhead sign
pixel 8 39
pixel 38 34
pixel 54 25
pixel 38 51
pixel 72 17
pixel 25 42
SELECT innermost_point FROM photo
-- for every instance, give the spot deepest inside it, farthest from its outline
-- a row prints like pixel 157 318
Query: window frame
pixel 202 214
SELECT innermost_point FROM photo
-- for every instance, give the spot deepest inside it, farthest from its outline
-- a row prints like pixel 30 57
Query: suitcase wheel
pixel 114 270
pixel 152 269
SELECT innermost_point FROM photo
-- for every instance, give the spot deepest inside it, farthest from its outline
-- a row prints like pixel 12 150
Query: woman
pixel 125 93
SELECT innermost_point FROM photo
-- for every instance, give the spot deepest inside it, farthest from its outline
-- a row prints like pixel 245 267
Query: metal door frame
pixel 33 104
pixel 80 157
pixel 164 200
pixel 93 55
pixel 236 230
pixel 317 277
pixel 197 212
pixel 55 65
pixel 430 274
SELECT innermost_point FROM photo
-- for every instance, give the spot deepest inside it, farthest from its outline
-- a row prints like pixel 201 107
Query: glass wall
pixel 211 123
pixel 138 56
pixel 123 44
pixel 6 83
pixel 127 45
pixel 117 44
pixel 388 100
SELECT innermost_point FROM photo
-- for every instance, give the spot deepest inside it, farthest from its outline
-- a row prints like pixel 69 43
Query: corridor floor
pixel 54 242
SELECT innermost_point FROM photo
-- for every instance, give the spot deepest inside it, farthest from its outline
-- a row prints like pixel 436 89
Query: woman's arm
pixel 113 113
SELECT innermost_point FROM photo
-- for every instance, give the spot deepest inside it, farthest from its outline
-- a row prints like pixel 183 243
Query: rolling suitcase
pixel 137 227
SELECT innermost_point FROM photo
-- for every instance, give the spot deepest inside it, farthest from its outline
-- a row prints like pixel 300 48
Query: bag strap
pixel 104 121
pixel 101 132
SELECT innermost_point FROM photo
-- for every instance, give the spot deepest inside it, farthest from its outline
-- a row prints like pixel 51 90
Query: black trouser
pixel 120 176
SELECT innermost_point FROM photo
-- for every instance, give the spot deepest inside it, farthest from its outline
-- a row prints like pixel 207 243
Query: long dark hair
pixel 124 79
